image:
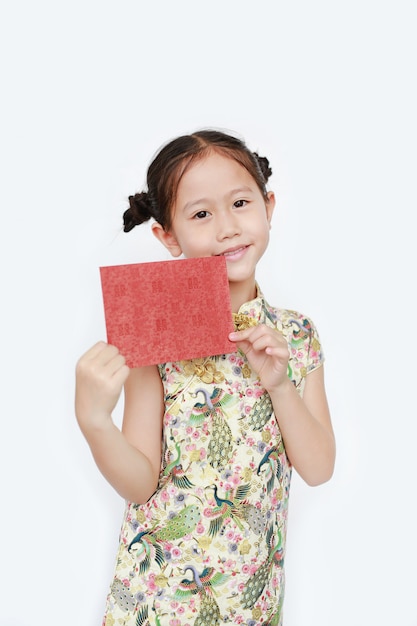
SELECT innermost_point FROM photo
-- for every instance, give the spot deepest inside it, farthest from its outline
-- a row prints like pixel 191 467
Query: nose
pixel 228 225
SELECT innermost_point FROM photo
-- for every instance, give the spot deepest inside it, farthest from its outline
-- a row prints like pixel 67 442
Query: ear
pixel 167 238
pixel 270 205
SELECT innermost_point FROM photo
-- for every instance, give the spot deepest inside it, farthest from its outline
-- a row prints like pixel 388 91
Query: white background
pixel 326 90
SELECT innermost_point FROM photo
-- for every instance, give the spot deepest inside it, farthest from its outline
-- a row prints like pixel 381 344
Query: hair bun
pixel 138 211
pixel 264 166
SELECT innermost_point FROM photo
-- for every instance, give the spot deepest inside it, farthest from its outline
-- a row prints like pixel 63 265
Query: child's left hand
pixel 267 352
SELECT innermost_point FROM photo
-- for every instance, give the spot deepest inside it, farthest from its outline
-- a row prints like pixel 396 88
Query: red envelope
pixel 166 311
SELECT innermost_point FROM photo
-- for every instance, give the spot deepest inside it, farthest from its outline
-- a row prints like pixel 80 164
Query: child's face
pixel 219 210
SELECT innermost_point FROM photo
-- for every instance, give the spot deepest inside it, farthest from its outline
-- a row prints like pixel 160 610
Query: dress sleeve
pixel 304 345
pixel 314 351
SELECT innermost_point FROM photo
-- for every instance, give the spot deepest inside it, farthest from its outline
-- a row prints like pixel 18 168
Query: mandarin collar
pixel 254 308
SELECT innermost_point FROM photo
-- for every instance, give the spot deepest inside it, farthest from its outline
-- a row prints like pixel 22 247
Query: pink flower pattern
pixel 212 536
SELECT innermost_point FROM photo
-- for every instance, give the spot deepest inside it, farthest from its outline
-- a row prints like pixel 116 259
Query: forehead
pixel 214 172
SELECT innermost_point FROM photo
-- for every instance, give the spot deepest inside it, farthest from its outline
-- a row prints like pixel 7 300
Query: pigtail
pixel 263 166
pixel 139 211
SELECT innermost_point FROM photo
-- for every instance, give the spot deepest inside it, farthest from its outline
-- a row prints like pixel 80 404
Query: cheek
pixel 264 236
pixel 263 227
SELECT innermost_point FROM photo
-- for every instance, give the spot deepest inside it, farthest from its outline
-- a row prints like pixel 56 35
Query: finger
pixel 261 338
pixel 241 335
pixel 278 353
pixel 92 352
pixel 102 354
pixel 122 374
pixel 106 355
pixel 265 341
pixel 115 364
pixel 255 332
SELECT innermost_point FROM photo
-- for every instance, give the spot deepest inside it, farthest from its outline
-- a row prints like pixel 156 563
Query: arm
pixel 306 427
pixel 129 459
pixel 304 422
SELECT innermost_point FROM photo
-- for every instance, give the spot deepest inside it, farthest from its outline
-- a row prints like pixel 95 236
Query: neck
pixel 241 293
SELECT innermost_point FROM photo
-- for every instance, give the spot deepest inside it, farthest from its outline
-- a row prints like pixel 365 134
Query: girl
pixel 203 536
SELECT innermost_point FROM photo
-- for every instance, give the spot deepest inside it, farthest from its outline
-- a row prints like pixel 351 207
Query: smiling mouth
pixel 233 252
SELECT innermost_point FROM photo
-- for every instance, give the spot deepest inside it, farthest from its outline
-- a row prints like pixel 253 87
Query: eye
pixel 240 203
pixel 200 215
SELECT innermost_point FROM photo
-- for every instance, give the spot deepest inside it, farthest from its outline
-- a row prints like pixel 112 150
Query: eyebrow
pixel 231 193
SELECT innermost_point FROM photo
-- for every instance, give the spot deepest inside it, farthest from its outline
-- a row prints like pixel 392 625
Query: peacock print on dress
pixel 208 547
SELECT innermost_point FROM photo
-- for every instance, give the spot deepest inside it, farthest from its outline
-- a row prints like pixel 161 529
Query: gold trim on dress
pixel 242 321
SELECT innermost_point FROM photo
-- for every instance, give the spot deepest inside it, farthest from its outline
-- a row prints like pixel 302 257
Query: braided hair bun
pixel 138 211
pixel 263 166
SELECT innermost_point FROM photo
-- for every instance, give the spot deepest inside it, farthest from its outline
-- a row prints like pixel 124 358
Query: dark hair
pixel 173 160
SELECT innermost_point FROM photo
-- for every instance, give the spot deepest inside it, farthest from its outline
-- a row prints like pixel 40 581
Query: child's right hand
pixel 100 375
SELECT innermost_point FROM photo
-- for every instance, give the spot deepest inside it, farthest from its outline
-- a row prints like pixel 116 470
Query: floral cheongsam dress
pixel 208 547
